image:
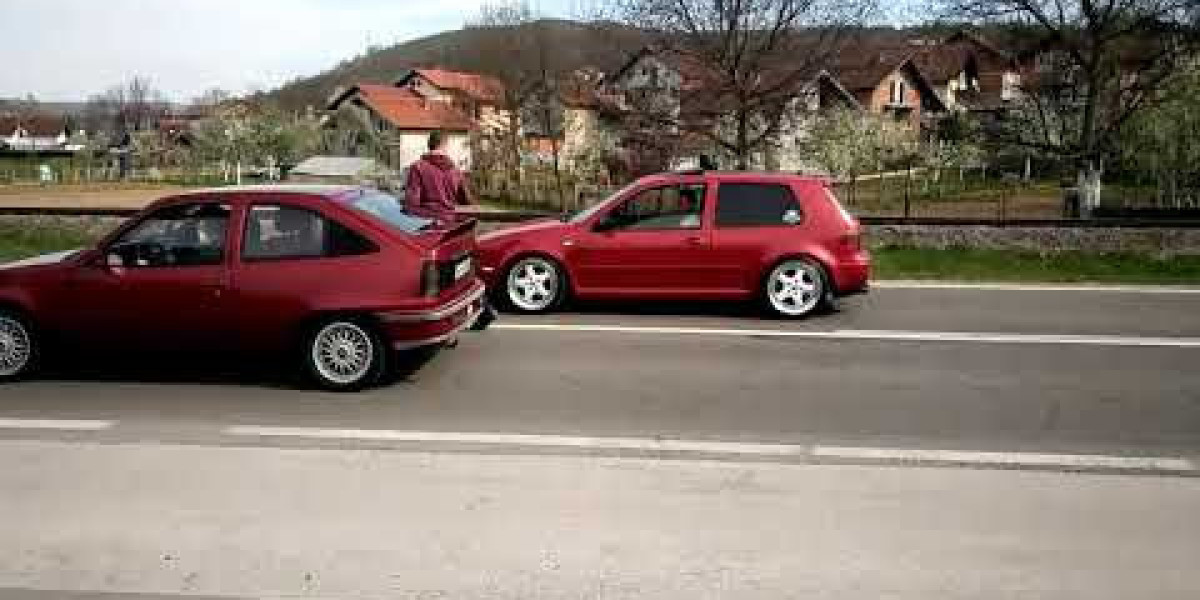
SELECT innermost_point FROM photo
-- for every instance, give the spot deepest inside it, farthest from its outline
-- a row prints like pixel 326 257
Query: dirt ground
pixel 74 196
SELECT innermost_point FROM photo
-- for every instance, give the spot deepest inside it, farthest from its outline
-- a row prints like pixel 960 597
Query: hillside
pixel 575 44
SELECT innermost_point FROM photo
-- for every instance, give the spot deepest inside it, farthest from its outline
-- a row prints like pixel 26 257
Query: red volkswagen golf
pixel 780 238
pixel 340 275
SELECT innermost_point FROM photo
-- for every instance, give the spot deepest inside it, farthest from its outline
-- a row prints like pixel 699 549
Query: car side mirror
pixel 792 217
pixel 608 223
pixel 135 254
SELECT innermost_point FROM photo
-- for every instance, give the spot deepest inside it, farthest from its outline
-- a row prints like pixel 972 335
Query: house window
pixel 1011 83
pixel 898 92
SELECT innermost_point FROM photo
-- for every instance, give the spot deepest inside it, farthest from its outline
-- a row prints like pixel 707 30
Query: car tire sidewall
pixel 560 291
pixel 35 345
pixel 379 357
pixel 825 291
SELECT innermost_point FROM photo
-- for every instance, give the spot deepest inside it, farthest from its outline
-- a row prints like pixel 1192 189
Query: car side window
pixel 180 235
pixel 669 207
pixel 277 232
pixel 757 205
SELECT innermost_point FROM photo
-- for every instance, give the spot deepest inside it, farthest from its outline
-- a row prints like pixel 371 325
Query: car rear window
pixel 275 232
pixel 388 209
pixel 754 204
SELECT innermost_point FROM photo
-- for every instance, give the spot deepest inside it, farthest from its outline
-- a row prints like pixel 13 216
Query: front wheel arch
pixel 566 287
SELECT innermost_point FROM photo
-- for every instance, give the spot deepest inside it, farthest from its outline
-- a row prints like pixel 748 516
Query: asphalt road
pixel 967 443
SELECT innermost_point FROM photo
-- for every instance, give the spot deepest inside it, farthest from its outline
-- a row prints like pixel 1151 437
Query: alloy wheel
pixel 343 353
pixel 795 288
pixel 16 346
pixel 533 284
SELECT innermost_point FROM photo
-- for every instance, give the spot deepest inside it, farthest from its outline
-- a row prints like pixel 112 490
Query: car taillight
pixel 430 279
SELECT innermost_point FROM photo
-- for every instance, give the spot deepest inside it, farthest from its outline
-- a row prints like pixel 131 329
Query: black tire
pixel 811 293
pixel 557 286
pixel 332 353
pixel 20 346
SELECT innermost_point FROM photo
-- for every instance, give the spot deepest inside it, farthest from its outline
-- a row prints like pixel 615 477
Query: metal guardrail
pixel 515 216
pixel 62 211
pixel 1064 223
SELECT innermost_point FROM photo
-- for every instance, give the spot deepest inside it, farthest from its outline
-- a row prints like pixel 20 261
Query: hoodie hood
pixel 440 161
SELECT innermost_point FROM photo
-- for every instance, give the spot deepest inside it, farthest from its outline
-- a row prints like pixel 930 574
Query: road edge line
pixel 870 335
pixel 999 286
pixel 59 424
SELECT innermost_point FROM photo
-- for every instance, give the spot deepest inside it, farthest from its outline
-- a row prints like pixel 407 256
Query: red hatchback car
pixel 781 238
pixel 340 274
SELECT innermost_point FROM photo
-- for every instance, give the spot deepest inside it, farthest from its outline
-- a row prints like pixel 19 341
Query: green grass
pixel 21 242
pixel 969 264
pixel 962 264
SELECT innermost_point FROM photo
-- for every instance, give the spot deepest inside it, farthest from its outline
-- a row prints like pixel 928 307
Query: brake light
pixel 430 279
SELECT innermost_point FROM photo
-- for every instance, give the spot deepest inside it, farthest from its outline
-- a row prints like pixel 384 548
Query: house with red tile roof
pixel 886 79
pixel 480 97
pixel 34 133
pixel 685 93
pixel 393 123
pixel 970 73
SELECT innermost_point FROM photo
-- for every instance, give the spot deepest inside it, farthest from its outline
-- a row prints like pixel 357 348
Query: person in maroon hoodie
pixel 435 185
pixel 433 188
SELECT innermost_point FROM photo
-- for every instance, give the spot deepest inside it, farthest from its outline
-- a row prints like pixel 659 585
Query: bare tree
pixel 209 100
pixel 512 44
pixel 1100 62
pixel 132 106
pixel 748 60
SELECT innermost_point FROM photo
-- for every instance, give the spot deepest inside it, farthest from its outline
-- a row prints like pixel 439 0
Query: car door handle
pixel 694 241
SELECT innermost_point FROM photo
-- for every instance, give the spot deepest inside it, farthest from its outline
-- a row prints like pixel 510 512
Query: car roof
pixel 314 189
pixel 755 176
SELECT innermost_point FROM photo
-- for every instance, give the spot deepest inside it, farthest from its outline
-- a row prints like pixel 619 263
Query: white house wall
pixel 412 145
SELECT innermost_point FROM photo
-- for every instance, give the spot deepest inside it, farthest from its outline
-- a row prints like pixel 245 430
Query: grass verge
pixel 21 242
pixel 970 264
pixel 960 264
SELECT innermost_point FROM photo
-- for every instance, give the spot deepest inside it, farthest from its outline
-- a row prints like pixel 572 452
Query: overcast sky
pixel 65 50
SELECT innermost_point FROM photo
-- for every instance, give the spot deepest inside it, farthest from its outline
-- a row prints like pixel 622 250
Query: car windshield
pixel 585 214
pixel 388 209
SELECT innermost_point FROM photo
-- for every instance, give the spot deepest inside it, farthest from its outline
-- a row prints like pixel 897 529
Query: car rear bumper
pixel 414 329
pixel 853 276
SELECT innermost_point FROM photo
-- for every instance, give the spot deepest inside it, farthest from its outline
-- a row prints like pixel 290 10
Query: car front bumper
pixel 414 329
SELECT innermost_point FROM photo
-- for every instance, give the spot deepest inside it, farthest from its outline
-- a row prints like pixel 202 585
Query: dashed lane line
pixel 816 453
pixel 59 424
pixel 1015 459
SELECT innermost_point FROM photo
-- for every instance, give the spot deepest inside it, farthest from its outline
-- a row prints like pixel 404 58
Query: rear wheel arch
pixel 318 317
pixel 778 260
pixel 310 328
pixel 828 301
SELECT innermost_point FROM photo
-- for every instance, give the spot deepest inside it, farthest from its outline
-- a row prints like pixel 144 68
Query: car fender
pixel 813 252
pixel 18 299
pixel 556 255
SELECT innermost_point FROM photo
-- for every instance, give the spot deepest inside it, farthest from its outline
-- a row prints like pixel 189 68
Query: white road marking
pixel 1095 461
pixel 528 440
pixel 65 424
pixel 869 334
pixel 1032 287
pixel 907 455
